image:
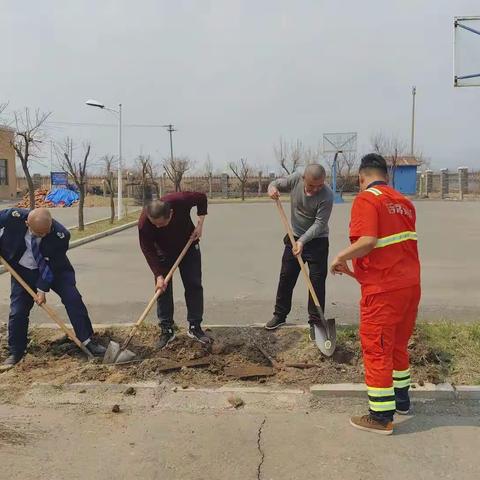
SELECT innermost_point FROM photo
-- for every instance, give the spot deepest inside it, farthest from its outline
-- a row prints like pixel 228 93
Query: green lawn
pixel 102 226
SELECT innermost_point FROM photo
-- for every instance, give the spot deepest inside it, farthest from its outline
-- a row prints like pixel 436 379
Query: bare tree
pixel 289 156
pixel 175 169
pixel 78 172
pixel 346 162
pixel 209 172
pixel 312 155
pixel 145 171
pixel 391 148
pixel 154 175
pixel 27 141
pixel 108 179
pixel 241 170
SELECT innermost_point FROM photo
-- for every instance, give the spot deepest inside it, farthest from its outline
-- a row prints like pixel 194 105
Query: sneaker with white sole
pixel 167 336
pixel 370 424
pixel 275 322
pixel 196 332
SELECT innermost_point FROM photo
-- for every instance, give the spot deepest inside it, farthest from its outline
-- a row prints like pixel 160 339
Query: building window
pixel 3 172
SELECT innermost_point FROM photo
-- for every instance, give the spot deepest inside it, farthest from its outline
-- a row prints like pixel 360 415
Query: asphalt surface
pixel 242 247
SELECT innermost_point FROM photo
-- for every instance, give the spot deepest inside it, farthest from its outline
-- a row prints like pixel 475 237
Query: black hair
pixel 374 161
pixel 157 209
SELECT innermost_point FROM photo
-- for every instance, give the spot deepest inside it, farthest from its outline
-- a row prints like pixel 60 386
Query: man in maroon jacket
pixel 164 229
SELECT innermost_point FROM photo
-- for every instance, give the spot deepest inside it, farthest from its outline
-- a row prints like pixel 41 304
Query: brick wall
pixel 8 192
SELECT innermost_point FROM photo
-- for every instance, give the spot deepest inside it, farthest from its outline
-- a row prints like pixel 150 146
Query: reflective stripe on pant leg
pixel 381 399
pixel 401 379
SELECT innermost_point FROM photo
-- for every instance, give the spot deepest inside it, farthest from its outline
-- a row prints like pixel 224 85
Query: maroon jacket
pixel 161 246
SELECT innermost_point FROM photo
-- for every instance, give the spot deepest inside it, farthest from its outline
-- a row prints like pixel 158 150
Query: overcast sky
pixel 235 75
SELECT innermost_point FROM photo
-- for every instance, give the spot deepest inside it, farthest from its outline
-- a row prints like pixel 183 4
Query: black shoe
pixel 167 336
pixel 196 332
pixel 96 349
pixel 402 408
pixel 275 322
pixel 10 362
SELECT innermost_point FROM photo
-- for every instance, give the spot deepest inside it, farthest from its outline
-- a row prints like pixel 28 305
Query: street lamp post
pixel 94 103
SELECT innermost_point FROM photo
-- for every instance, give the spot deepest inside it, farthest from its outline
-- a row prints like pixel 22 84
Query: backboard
pixel 466 51
pixel 340 142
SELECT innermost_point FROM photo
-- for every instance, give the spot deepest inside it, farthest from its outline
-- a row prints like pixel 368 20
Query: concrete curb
pixel 428 392
pixel 106 233
pixel 467 392
pixel 92 238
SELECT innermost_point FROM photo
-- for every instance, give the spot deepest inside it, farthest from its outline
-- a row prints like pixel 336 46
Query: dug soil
pixel 51 358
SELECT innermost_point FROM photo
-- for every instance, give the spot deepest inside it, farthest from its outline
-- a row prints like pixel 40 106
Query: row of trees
pixel 30 135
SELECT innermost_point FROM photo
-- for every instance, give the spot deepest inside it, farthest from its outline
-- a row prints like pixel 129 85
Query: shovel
pixel 50 312
pixel 325 331
pixel 119 354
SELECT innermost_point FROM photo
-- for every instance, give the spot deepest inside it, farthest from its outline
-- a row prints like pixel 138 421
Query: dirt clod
pixel 116 408
pixel 130 391
pixel 235 401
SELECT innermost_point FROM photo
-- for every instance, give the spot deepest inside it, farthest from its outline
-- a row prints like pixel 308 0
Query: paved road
pixel 176 437
pixel 241 251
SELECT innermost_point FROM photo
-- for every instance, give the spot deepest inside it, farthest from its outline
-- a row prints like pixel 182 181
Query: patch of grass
pixel 101 201
pixel 102 226
pixel 455 347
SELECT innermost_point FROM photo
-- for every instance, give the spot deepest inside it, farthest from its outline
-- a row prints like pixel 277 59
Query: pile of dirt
pixel 52 358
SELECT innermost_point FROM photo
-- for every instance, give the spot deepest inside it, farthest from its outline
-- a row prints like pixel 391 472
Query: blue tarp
pixel 62 195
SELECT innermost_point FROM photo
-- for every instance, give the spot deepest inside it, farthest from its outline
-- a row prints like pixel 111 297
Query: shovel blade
pixel 326 336
pixel 112 352
pixel 115 354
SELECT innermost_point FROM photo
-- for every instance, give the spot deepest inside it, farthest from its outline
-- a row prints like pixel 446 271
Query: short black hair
pixel 374 161
pixel 157 209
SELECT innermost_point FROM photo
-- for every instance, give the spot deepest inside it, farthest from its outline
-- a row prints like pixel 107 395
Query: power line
pixel 88 124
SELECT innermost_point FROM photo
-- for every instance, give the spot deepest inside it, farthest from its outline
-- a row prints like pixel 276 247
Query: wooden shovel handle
pixel 303 267
pixel 50 312
pixel 151 303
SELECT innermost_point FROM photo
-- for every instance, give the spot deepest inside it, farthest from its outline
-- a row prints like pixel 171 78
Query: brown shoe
pixel 369 424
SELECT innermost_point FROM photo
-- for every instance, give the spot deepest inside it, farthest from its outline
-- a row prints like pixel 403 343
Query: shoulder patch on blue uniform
pixel 16 213
pixel 60 235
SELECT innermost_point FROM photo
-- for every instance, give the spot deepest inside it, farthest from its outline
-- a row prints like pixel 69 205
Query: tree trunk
pixel 210 186
pixel 178 182
pixel 81 202
pixel 31 188
pixel 243 191
pixel 112 206
pixel 157 189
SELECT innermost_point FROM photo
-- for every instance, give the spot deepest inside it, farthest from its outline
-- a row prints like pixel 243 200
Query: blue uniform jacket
pixel 53 246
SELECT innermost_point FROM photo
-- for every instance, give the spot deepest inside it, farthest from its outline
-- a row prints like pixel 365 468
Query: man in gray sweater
pixel 311 206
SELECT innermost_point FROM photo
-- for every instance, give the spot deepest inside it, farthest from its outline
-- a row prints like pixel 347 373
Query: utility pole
pixel 412 145
pixel 170 128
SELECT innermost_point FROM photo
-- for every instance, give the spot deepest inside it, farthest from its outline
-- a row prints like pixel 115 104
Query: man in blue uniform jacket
pixel 36 246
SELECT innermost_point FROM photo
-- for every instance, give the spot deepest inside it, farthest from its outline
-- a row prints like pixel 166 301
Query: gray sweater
pixel 310 215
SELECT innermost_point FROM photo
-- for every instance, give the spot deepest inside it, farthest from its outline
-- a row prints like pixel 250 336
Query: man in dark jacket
pixel 164 228
pixel 36 247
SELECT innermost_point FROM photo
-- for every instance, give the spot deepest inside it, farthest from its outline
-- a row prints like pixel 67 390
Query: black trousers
pixel 191 272
pixel 21 303
pixel 315 254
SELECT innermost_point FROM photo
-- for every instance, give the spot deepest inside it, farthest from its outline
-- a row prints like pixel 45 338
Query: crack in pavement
pixel 259 447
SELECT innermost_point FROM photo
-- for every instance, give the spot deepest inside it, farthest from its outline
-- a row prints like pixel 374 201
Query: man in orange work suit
pixel 385 261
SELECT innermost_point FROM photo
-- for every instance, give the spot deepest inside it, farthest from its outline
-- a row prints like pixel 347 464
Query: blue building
pixel 403 177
